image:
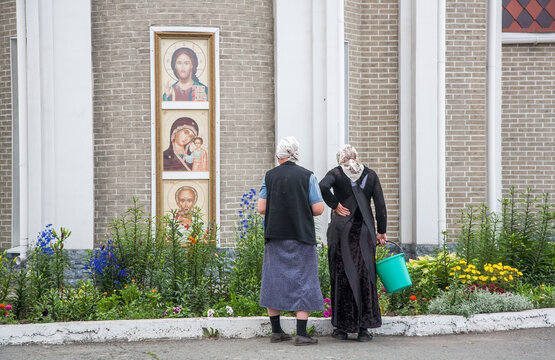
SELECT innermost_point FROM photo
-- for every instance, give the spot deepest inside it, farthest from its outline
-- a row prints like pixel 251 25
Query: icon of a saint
pixel 187 87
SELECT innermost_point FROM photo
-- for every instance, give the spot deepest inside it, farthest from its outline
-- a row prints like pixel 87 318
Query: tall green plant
pixel 6 275
pixel 249 255
pixel 522 236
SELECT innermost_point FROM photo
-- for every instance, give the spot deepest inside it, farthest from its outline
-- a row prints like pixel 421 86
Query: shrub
pixel 477 302
pixel 542 296
pixel 429 275
pixel 522 236
pixel 500 277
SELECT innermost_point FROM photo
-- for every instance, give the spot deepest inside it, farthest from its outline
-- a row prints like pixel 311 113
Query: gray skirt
pixel 290 277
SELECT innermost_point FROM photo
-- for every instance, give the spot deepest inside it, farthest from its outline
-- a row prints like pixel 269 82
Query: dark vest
pixel 288 211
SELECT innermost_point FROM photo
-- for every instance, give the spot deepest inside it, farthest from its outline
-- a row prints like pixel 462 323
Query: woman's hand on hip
pixel 381 238
pixel 341 210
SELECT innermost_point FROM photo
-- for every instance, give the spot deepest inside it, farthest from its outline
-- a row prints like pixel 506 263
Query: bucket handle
pixel 399 246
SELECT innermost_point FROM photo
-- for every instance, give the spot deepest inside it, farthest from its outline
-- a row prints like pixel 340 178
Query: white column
pixel 309 80
pixel 405 124
pixel 59 121
pixel 422 128
pixel 494 168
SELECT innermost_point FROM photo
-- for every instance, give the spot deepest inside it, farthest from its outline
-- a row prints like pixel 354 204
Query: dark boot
pixel 305 340
pixel 339 334
pixel 364 335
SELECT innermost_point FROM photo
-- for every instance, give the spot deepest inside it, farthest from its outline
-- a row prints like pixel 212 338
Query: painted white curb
pixel 248 327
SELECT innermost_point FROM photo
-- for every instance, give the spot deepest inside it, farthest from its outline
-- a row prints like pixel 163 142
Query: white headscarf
pixel 347 158
pixel 288 148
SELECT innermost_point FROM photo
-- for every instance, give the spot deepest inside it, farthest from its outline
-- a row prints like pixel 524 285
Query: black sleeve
pixel 326 184
pixel 379 205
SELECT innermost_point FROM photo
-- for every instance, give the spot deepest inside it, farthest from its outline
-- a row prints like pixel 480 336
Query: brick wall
pixel 121 70
pixel 465 108
pixel 371 28
pixel 528 118
pixel 7 30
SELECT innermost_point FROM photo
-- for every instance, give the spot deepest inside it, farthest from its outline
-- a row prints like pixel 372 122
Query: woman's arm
pixel 262 206
pixel 317 208
pixel 379 205
pixel 326 185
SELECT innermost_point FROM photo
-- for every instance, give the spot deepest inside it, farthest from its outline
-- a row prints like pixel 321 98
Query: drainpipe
pixel 494 106
pixel 22 110
pixel 442 202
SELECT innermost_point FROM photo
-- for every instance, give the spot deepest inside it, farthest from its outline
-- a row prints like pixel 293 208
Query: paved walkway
pixel 518 344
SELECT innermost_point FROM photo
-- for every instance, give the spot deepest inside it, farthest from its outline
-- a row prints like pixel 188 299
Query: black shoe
pixel 305 340
pixel 279 337
pixel 339 334
pixel 364 335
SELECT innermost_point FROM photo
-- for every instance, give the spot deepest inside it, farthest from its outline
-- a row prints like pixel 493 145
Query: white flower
pixel 210 313
pixel 229 310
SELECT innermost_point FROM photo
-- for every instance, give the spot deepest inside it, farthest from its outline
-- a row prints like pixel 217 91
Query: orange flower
pixel 125 286
pixel 193 240
pixel 132 280
pixel 105 293
pixel 413 297
pixel 154 290
pixel 2 306
pixel 216 255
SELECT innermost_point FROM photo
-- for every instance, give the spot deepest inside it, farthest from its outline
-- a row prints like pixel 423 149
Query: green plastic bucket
pixel 394 273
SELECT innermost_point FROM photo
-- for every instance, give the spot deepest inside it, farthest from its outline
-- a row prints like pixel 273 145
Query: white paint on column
pixel 310 81
pixel 405 124
pixel 293 33
pixel 60 135
pixel 494 168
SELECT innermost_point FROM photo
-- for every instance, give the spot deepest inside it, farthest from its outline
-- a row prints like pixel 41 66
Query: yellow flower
pixel 519 273
pixel 458 268
pixel 467 270
pixel 464 281
pixel 451 274
pixel 506 279
pixel 462 262
pixel 493 278
pixel 462 276
pixel 475 277
pixel 511 277
pixel 447 288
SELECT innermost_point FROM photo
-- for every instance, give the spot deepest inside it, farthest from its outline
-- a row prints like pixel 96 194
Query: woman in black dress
pixel 352 242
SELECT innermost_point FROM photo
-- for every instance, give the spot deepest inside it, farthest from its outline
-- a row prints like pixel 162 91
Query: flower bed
pixel 157 268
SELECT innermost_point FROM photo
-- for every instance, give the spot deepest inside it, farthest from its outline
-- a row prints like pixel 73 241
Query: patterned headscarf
pixel 347 158
pixel 288 148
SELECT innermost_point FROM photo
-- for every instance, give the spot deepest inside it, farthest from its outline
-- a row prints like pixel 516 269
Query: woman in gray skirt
pixel 289 198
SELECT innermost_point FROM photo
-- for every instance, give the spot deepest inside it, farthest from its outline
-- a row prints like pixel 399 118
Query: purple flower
pixel 327 301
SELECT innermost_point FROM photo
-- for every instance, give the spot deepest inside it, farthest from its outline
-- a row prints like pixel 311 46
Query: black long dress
pixel 352 248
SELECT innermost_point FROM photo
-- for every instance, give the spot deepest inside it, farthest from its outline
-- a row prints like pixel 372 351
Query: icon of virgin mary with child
pixel 185 152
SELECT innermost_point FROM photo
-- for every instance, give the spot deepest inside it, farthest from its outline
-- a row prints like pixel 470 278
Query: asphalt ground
pixel 517 344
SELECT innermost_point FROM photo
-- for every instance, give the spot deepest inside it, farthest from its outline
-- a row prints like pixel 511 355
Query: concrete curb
pixel 248 327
